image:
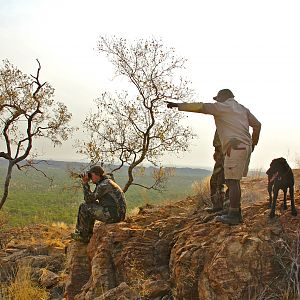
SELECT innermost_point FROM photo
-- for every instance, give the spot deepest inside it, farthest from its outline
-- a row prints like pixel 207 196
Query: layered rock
pixel 136 252
pixel 179 252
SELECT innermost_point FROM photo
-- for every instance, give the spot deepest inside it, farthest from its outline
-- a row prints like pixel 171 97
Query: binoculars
pixel 84 174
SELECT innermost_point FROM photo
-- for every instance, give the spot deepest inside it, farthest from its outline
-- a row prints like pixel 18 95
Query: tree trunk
pixel 130 179
pixel 6 183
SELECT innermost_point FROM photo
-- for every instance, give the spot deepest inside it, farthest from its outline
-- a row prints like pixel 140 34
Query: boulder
pixel 48 279
pixel 121 292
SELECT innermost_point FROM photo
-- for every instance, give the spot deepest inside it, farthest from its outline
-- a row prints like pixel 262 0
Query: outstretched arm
pixel 191 107
pixel 171 104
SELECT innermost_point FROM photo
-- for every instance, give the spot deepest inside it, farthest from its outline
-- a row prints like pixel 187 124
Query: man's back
pixel 232 120
pixel 110 195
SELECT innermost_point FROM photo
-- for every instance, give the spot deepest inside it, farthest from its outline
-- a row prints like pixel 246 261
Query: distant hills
pixel 33 198
pixel 65 165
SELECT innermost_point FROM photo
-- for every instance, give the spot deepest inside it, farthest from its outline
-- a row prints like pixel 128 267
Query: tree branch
pixel 32 165
pixel 5 155
pixel 37 81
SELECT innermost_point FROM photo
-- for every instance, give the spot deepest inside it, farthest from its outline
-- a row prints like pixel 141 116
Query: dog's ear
pixel 283 165
pixel 273 162
pixel 273 167
pixel 279 165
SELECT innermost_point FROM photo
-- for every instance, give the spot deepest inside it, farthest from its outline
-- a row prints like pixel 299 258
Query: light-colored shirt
pixel 232 120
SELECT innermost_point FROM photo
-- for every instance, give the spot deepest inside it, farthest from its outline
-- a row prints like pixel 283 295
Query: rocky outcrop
pixel 179 252
pixel 136 252
pixel 38 249
pixel 81 272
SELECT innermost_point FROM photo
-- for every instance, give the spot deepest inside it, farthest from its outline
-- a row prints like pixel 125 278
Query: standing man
pixel 106 204
pixel 232 121
pixel 217 179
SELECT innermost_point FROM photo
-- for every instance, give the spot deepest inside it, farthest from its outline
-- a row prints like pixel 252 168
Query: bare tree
pixel 27 111
pixel 131 128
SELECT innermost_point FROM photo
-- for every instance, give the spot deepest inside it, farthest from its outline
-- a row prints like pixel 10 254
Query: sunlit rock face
pixel 180 252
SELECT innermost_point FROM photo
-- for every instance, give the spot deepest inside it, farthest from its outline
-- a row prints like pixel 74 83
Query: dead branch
pixel 31 164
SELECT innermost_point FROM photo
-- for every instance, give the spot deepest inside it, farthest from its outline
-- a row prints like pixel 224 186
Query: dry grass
pixel 297 162
pixel 285 286
pixel 4 236
pixel 137 279
pixel 55 242
pixel 251 192
pixel 257 174
pixel 22 287
pixel 3 220
pixel 133 212
pixel 60 226
pixel 263 293
pixel 287 255
pixel 201 190
pixel 249 196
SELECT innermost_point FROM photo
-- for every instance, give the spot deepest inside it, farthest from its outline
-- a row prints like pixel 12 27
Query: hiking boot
pixel 217 202
pixel 234 217
pixel 76 236
pixel 224 212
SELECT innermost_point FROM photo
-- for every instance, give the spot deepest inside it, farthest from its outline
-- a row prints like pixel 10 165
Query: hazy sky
pixel 251 47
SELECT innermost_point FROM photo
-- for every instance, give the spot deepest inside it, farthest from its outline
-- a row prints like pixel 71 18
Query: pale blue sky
pixel 251 47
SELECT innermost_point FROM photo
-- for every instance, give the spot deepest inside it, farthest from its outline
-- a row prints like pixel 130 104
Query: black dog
pixel 280 177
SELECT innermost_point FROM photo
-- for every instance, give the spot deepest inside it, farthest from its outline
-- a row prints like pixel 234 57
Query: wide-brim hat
pixel 225 92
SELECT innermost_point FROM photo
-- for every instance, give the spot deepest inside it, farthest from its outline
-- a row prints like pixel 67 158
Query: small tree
pixel 131 128
pixel 27 111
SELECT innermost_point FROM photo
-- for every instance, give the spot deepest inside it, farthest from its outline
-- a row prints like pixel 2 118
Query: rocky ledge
pixel 179 252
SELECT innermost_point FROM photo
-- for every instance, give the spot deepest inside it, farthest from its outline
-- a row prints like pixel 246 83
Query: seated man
pixel 106 204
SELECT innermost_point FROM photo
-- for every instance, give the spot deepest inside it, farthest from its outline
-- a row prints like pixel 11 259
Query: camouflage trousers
pixel 217 183
pixel 88 213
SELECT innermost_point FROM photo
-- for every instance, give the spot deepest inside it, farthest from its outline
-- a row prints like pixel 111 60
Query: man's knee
pixel 83 208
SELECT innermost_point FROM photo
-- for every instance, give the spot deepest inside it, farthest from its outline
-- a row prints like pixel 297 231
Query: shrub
pixel 201 190
pixel 22 287
pixel 287 255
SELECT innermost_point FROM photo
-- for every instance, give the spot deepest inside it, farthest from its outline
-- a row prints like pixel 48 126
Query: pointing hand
pixel 171 104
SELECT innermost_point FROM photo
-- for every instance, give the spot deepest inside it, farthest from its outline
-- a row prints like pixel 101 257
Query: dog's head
pixel 279 165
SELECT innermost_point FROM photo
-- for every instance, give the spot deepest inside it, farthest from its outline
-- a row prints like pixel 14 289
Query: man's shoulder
pixel 107 182
pixel 234 102
pixel 102 182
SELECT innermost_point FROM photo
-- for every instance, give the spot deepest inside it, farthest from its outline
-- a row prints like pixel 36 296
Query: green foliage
pixel 33 199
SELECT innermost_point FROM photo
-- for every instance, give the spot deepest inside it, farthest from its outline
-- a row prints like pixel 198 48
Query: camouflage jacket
pixel 217 143
pixel 109 195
